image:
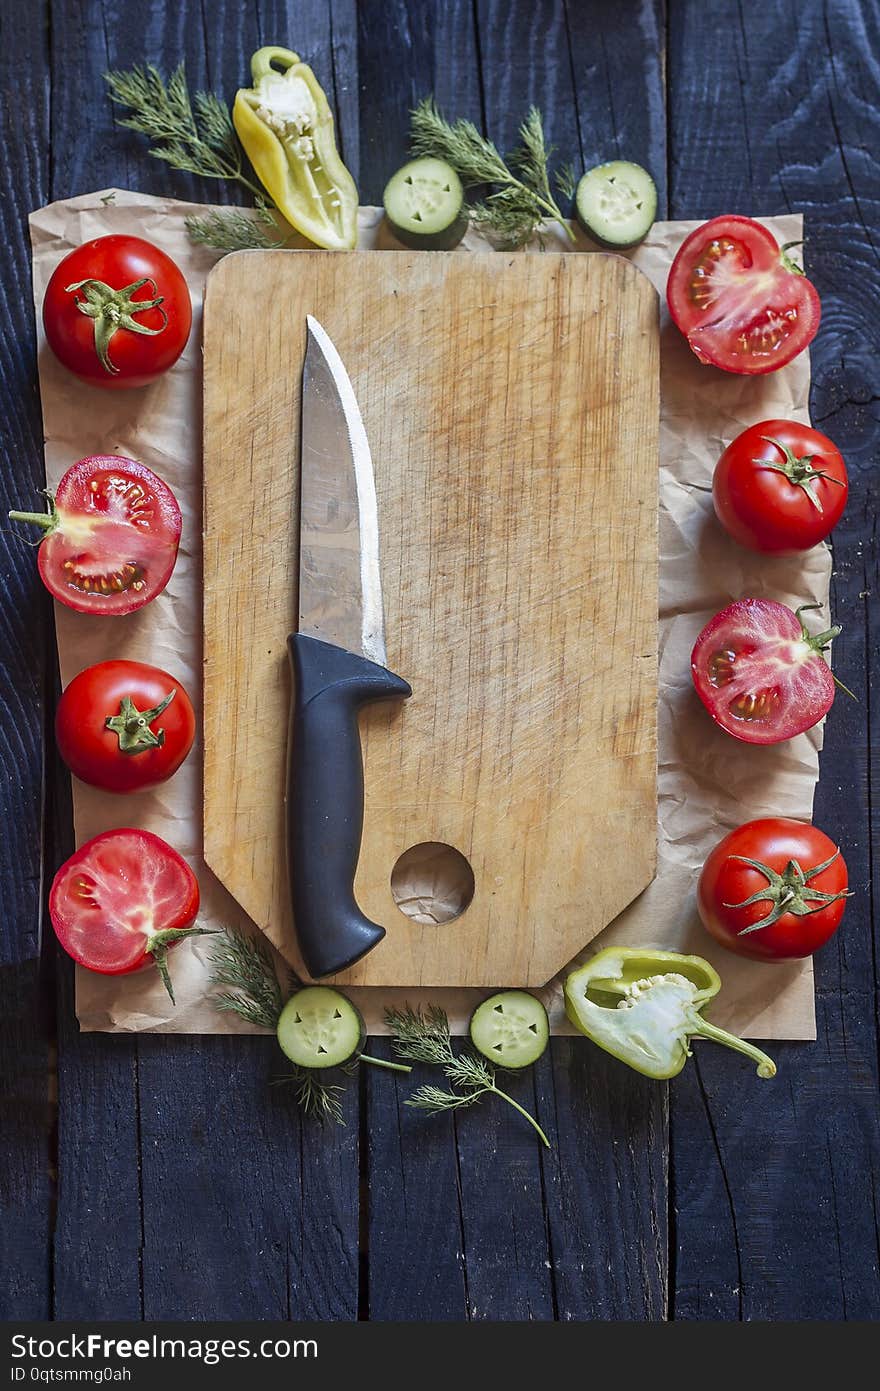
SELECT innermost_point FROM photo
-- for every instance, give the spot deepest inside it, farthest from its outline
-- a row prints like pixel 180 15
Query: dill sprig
pixel 195 135
pixel 235 230
pixel 246 966
pixel 566 181
pixel 425 1038
pixel 522 196
pixel 317 1098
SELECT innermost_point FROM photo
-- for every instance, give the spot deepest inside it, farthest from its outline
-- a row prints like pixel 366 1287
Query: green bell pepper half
pixel 644 1007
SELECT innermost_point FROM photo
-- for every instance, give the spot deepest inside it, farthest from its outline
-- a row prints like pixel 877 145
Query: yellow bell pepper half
pixel 286 127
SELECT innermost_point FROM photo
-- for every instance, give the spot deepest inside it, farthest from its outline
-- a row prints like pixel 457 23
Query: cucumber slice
pixel 319 1027
pixel 510 1029
pixel 424 203
pixel 616 203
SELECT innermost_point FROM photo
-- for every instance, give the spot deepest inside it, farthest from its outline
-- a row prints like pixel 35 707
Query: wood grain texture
pixel 770 107
pixel 512 408
pixel 161 1209
pixel 279 1242
pixel 774 1204
pixel 26 644
pixel 601 1249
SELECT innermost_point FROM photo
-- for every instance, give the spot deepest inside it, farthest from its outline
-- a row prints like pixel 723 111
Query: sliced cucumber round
pixel 319 1027
pixel 616 203
pixel 510 1029
pixel 424 203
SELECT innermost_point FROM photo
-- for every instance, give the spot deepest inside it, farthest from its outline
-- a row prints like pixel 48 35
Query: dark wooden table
pixel 162 1177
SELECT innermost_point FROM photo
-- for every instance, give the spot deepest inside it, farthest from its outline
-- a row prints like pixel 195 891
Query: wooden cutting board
pixel 511 404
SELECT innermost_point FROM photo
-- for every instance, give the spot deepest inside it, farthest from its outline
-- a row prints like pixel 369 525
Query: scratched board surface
pixel 125 1199
pixel 512 409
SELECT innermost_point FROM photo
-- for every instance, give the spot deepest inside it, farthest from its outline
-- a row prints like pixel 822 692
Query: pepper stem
pixel 766 1065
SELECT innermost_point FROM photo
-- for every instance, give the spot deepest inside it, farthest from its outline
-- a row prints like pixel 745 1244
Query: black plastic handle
pixel 325 799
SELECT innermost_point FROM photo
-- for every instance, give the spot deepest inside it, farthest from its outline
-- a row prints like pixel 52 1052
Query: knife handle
pixel 325 798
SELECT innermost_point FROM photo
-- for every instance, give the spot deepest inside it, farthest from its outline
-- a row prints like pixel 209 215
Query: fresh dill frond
pixel 234 229
pixel 194 135
pixel 425 1037
pixel 245 965
pixel 317 1098
pixel 434 1100
pixel 505 219
pixel 566 180
pixel 532 155
pixel 521 197
pixel 474 158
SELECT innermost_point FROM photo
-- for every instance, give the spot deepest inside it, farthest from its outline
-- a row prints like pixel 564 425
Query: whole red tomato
pixel 760 673
pixel 773 889
pixel 111 536
pixel 780 487
pixel 122 901
pixel 124 725
pixel 739 299
pixel 117 312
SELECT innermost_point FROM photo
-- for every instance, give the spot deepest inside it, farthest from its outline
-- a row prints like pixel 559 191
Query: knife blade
pixel 337 661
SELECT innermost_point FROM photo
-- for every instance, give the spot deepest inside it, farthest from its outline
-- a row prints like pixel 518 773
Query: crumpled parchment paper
pixel 708 783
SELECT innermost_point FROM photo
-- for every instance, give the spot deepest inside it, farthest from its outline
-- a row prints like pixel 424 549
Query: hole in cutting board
pixel 432 883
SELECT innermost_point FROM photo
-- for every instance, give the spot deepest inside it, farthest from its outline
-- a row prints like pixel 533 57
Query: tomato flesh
pixel 115 893
pixel 726 881
pixel 115 539
pixel 736 299
pixel 757 675
pixel 102 756
pixel 772 511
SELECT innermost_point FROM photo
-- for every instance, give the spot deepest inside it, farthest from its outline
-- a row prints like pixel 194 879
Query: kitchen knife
pixel 337 662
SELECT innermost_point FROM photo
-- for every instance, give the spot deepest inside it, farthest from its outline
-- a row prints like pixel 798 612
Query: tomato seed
pixel 700 288
pixel 757 706
pixel 721 668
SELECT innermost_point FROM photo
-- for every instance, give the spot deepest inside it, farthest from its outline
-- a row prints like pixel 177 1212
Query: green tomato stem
pixel 46 520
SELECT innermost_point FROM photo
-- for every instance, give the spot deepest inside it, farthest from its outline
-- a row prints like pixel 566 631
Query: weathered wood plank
pixel 248 1210
pixel 607 1197
pixel 775 1217
pixel 606 1186
pixel 408 50
pixel 531 1229
pixel 162 1210
pixel 25 640
pixel 414 1252
pixel 445 1240
pixel 617 57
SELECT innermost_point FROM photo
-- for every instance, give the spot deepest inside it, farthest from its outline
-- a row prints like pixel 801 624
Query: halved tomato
pixel 122 901
pixel 740 300
pixel 760 673
pixel 112 533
